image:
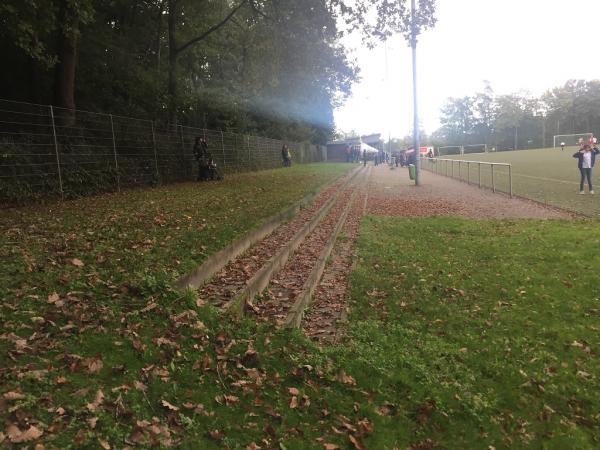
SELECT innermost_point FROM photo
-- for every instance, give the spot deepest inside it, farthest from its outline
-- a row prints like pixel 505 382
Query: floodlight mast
pixel 416 140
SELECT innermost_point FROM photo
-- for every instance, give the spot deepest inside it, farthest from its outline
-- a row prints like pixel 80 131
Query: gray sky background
pixel 518 45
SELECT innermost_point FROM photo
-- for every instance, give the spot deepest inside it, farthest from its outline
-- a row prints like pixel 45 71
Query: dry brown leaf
pixel 92 422
pixel 293 391
pixel 105 445
pixel 358 445
pixel 13 396
pixel 294 402
pixel 97 401
pixel 76 262
pixel 53 298
pixel 167 405
pixel 94 365
pixel 253 446
pixel 346 379
pixel 329 446
pixel 139 385
pixel 15 435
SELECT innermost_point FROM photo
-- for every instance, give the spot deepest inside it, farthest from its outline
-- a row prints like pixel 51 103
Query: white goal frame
pixel 476 145
pixel 459 147
pixel 589 135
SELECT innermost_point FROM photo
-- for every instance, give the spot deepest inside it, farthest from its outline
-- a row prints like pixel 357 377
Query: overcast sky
pixel 518 45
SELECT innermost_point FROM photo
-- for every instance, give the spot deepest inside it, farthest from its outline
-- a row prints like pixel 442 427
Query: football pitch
pixel 548 175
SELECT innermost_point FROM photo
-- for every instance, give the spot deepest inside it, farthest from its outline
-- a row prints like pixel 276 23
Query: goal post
pixel 571 140
pixel 450 150
pixel 475 148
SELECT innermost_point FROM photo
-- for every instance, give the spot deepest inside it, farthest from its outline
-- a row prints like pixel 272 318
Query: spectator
pixel 201 154
pixel 286 156
pixel 586 158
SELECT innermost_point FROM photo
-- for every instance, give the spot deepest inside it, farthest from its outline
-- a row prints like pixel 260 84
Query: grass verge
pixel 479 334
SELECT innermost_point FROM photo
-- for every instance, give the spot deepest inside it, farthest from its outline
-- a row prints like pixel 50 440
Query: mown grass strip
pixel 479 333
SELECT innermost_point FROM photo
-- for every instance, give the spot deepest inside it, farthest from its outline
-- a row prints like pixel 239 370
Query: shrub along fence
pixel 47 151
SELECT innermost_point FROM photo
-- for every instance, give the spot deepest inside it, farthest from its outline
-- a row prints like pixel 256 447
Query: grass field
pixel 469 343
pixel 479 342
pixel 546 175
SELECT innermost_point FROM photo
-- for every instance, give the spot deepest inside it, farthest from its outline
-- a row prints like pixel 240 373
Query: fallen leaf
pixel 76 262
pixel 358 445
pixel 13 396
pixel 94 365
pixel 331 446
pixel 346 379
pixel 293 391
pixel 217 435
pixel 294 402
pixel 386 410
pixel 105 445
pixel 97 401
pixel 15 435
pixel 167 405
pixel 139 385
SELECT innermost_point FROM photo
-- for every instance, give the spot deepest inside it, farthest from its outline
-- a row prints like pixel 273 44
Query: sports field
pixel 547 175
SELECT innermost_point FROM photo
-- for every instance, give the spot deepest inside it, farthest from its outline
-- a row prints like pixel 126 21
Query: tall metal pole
pixel 416 140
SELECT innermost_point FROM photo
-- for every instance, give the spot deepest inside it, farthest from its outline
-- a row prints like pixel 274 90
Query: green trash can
pixel 412 171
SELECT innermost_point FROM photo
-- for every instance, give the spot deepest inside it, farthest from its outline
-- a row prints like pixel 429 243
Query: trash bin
pixel 412 171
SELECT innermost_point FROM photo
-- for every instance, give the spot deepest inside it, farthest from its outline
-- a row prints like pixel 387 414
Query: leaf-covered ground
pixel 456 340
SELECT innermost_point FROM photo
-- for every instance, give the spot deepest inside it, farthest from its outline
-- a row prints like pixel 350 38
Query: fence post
pixel 460 170
pixel 112 129
pixel 155 152
pixel 60 184
pixel 468 172
pixel 183 165
pixel 223 147
pixel 493 185
pixel 248 143
pixel 479 164
pixel 510 179
pixel 452 166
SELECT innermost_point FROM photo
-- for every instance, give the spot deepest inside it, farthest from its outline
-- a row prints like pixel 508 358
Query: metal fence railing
pixel 47 151
pixel 494 176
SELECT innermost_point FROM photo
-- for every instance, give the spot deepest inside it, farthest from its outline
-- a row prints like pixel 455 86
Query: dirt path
pixel 309 287
pixel 392 193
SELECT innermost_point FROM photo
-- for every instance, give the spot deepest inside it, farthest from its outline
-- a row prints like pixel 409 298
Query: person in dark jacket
pixel 201 155
pixel 586 158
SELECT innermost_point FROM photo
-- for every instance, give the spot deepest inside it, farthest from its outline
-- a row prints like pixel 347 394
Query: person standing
pixel 201 155
pixel 586 158
pixel 285 156
pixel 562 146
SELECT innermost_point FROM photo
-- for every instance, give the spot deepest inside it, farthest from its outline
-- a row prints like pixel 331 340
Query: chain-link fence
pixel 47 151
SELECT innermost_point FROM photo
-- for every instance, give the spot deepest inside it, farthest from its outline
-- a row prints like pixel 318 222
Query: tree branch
pixel 212 29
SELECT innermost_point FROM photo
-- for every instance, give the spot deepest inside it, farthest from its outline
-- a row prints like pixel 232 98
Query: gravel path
pixel 377 190
pixel 392 193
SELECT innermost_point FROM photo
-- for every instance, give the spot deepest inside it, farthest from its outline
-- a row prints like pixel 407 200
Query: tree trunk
pixel 64 76
pixel 173 54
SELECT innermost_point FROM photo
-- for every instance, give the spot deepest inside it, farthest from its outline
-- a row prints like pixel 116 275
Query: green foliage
pixel 519 120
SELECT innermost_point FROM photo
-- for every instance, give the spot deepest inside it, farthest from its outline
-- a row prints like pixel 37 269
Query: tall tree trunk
pixel 173 54
pixel 64 76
